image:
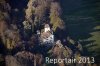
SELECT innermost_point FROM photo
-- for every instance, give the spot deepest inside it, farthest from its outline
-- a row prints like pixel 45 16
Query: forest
pixel 31 30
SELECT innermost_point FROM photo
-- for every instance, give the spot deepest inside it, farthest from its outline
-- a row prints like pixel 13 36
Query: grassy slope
pixel 83 22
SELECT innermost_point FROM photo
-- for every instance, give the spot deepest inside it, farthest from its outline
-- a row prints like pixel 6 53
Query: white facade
pixel 47 29
pixel 50 39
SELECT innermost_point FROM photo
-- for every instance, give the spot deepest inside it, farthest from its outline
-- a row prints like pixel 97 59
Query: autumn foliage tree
pixel 41 11
pixel 55 16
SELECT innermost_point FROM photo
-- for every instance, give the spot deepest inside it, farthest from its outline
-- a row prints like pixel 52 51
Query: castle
pixel 47 36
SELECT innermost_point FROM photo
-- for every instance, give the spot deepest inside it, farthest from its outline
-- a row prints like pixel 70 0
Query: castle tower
pixel 46 28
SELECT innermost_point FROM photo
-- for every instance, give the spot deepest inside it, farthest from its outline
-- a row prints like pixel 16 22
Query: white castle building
pixel 47 36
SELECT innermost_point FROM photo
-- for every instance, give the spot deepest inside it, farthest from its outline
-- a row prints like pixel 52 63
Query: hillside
pixel 82 21
pixel 31 30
